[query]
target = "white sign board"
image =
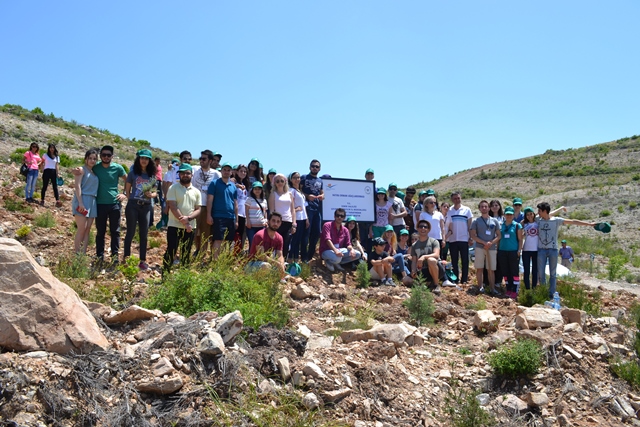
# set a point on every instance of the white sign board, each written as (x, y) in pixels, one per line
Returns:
(355, 196)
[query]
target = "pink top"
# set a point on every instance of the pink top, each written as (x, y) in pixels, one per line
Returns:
(159, 173)
(340, 238)
(32, 160)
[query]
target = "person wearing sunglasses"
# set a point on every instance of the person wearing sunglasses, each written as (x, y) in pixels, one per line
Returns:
(280, 200)
(311, 185)
(203, 175)
(335, 243)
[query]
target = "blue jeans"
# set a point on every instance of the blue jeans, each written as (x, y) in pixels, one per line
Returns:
(315, 227)
(252, 232)
(399, 265)
(32, 177)
(530, 265)
(330, 256)
(297, 238)
(552, 255)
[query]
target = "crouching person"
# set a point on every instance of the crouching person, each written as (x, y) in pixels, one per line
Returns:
(425, 257)
(380, 263)
(335, 243)
(266, 247)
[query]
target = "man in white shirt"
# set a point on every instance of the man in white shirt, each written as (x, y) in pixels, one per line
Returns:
(203, 175)
(460, 218)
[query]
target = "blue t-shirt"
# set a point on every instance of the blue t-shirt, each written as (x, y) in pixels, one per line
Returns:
(224, 197)
(312, 185)
(509, 238)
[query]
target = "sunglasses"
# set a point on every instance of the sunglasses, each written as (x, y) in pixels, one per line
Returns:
(340, 216)
(393, 189)
(204, 159)
(315, 166)
(106, 155)
(279, 181)
(423, 226)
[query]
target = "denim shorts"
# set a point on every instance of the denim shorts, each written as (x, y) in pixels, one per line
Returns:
(223, 229)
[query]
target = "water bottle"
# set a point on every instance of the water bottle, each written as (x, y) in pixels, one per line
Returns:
(548, 304)
(556, 301)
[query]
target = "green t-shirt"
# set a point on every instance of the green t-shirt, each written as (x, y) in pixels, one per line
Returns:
(108, 182)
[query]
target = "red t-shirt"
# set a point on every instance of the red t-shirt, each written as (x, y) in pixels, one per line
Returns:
(262, 238)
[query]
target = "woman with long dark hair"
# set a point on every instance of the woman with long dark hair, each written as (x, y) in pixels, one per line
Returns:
(140, 190)
(301, 236)
(530, 248)
(254, 171)
(50, 173)
(83, 206)
(242, 186)
(255, 211)
(32, 159)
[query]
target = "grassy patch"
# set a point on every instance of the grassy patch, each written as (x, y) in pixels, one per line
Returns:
(45, 220)
(223, 287)
(575, 295)
(530, 297)
(516, 359)
(14, 205)
(463, 408)
(480, 304)
(420, 303)
(628, 371)
(130, 268)
(73, 266)
(23, 232)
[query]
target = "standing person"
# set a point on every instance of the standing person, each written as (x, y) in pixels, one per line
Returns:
(530, 248)
(83, 206)
(255, 211)
(410, 204)
(566, 254)
(518, 216)
(140, 190)
(383, 216)
(268, 183)
(459, 218)
(109, 202)
(495, 211)
(183, 200)
(335, 243)
(425, 257)
(265, 251)
(509, 251)
(167, 181)
(50, 174)
(242, 188)
(417, 209)
(302, 220)
(444, 210)
(548, 227)
(398, 210)
(436, 220)
(255, 171)
(364, 226)
(222, 209)
(160, 196)
(32, 159)
(311, 185)
(281, 201)
(201, 178)
(485, 231)
(352, 226)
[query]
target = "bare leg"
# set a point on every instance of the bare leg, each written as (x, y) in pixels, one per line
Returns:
(480, 276)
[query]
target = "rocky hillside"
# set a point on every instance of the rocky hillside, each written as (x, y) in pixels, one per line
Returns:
(347, 357)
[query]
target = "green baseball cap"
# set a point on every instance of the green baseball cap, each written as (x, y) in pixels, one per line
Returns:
(272, 170)
(517, 201)
(605, 227)
(175, 160)
(235, 166)
(393, 184)
(528, 209)
(225, 165)
(422, 193)
(215, 153)
(369, 171)
(255, 159)
(430, 192)
(563, 241)
(404, 231)
(256, 184)
(185, 167)
(400, 194)
(351, 218)
(389, 227)
(144, 153)
(381, 190)
(509, 210)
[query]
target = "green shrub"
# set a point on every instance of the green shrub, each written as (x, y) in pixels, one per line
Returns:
(23, 231)
(628, 371)
(18, 155)
(463, 408)
(420, 303)
(45, 220)
(19, 192)
(579, 214)
(633, 205)
(605, 212)
(221, 287)
(154, 242)
(530, 297)
(620, 208)
(14, 205)
(516, 359)
(575, 295)
(73, 266)
(616, 268)
(67, 162)
(305, 271)
(480, 304)
(129, 268)
(363, 277)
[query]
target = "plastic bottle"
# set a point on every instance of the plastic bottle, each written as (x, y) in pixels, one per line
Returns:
(549, 304)
(556, 301)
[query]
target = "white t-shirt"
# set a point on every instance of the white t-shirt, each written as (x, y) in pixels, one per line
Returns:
(298, 201)
(282, 204)
(434, 219)
(397, 207)
(459, 219)
(50, 163)
(530, 237)
(201, 180)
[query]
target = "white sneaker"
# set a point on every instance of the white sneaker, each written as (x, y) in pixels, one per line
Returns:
(448, 284)
(330, 266)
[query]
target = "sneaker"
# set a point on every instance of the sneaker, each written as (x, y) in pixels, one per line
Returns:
(448, 284)
(330, 266)
(143, 266)
(481, 290)
(437, 290)
(495, 292)
(339, 267)
(391, 282)
(41, 203)
(58, 204)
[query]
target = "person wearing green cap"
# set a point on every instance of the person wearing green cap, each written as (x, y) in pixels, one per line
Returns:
(255, 171)
(140, 189)
(518, 216)
(268, 183)
(509, 251)
(369, 175)
(566, 255)
(383, 208)
(548, 227)
(419, 206)
(398, 210)
(530, 248)
(183, 201)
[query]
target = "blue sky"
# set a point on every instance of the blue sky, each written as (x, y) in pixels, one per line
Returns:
(413, 89)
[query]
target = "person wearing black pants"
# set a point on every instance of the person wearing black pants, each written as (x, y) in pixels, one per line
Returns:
(178, 238)
(459, 251)
(112, 213)
(459, 218)
(50, 173)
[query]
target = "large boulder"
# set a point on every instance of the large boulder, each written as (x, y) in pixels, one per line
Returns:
(39, 312)
(537, 317)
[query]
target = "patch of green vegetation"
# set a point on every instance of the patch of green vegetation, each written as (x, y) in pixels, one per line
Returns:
(363, 277)
(628, 371)
(219, 287)
(464, 351)
(605, 212)
(576, 295)
(13, 205)
(633, 205)
(616, 268)
(23, 232)
(358, 316)
(530, 297)
(45, 220)
(463, 408)
(129, 268)
(68, 162)
(590, 244)
(18, 155)
(73, 266)
(517, 359)
(420, 303)
(480, 304)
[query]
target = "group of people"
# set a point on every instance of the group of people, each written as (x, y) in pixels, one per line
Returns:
(49, 164)
(281, 218)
